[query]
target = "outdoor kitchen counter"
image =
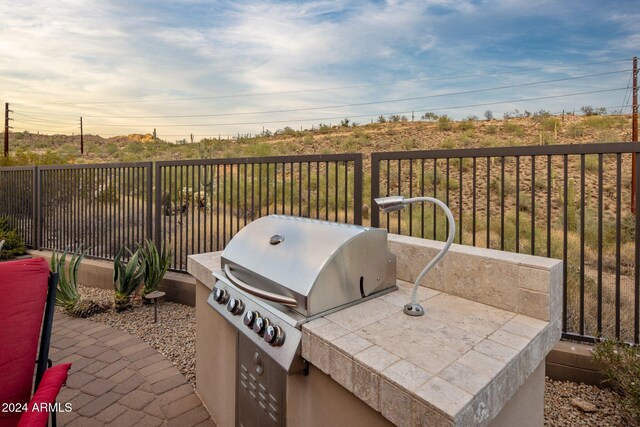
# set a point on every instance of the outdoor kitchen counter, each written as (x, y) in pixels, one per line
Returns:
(459, 364)
(475, 358)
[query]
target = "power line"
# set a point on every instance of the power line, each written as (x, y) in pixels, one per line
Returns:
(288, 92)
(342, 105)
(359, 116)
(360, 104)
(39, 119)
(209, 135)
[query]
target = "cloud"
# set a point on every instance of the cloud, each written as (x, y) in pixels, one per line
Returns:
(56, 56)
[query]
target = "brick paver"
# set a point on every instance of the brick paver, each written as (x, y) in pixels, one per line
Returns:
(118, 379)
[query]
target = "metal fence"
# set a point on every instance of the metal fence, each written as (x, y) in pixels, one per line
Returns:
(102, 207)
(190, 206)
(201, 204)
(570, 202)
(17, 200)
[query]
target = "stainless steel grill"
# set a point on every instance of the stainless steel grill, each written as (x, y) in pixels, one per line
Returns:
(280, 271)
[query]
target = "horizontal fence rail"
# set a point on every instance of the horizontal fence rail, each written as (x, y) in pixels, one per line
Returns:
(202, 204)
(571, 202)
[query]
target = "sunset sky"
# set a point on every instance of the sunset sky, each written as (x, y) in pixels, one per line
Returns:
(222, 67)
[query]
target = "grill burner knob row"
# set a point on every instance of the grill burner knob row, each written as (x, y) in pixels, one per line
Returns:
(220, 295)
(249, 318)
(274, 335)
(260, 324)
(235, 306)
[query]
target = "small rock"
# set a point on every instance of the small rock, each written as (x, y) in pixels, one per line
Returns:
(583, 405)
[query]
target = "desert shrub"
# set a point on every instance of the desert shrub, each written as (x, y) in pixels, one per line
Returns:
(588, 110)
(575, 131)
(429, 116)
(448, 144)
(549, 123)
(547, 138)
(13, 245)
(466, 125)
(488, 115)
(591, 162)
(394, 118)
(491, 129)
(445, 123)
(605, 122)
(381, 119)
(324, 128)
(513, 128)
(541, 183)
(621, 364)
(409, 144)
(606, 135)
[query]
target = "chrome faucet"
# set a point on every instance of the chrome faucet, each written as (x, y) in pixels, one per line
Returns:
(396, 203)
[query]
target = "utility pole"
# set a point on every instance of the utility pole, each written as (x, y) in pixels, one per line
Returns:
(634, 133)
(81, 137)
(6, 128)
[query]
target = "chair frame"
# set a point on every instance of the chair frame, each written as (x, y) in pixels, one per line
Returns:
(43, 362)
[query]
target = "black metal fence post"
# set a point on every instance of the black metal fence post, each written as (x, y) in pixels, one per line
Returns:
(157, 206)
(375, 189)
(36, 210)
(357, 189)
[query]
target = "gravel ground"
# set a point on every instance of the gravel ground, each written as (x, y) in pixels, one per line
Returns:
(175, 336)
(562, 398)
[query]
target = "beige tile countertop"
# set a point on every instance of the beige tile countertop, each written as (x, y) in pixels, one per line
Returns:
(459, 364)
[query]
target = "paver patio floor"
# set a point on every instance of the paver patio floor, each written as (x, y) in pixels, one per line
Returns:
(118, 379)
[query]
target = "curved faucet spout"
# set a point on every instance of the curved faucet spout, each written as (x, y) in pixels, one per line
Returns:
(396, 203)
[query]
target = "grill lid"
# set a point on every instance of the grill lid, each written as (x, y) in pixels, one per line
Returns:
(309, 265)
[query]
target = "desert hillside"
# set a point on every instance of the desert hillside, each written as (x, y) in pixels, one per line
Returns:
(31, 148)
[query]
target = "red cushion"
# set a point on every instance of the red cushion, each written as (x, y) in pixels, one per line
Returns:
(23, 293)
(38, 409)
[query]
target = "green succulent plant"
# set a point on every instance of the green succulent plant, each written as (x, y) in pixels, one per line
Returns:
(68, 295)
(13, 245)
(155, 263)
(127, 277)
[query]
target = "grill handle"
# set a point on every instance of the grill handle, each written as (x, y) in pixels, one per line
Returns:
(269, 296)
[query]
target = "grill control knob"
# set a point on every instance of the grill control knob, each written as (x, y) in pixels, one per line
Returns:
(274, 335)
(260, 325)
(220, 295)
(235, 306)
(249, 318)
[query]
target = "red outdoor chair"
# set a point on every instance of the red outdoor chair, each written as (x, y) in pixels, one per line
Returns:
(27, 300)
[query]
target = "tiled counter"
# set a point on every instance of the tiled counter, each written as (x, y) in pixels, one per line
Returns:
(462, 361)
(459, 364)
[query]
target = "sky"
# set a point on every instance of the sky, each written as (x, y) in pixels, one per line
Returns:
(218, 68)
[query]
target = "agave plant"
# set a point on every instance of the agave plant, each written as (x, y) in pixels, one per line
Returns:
(156, 263)
(68, 296)
(127, 277)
